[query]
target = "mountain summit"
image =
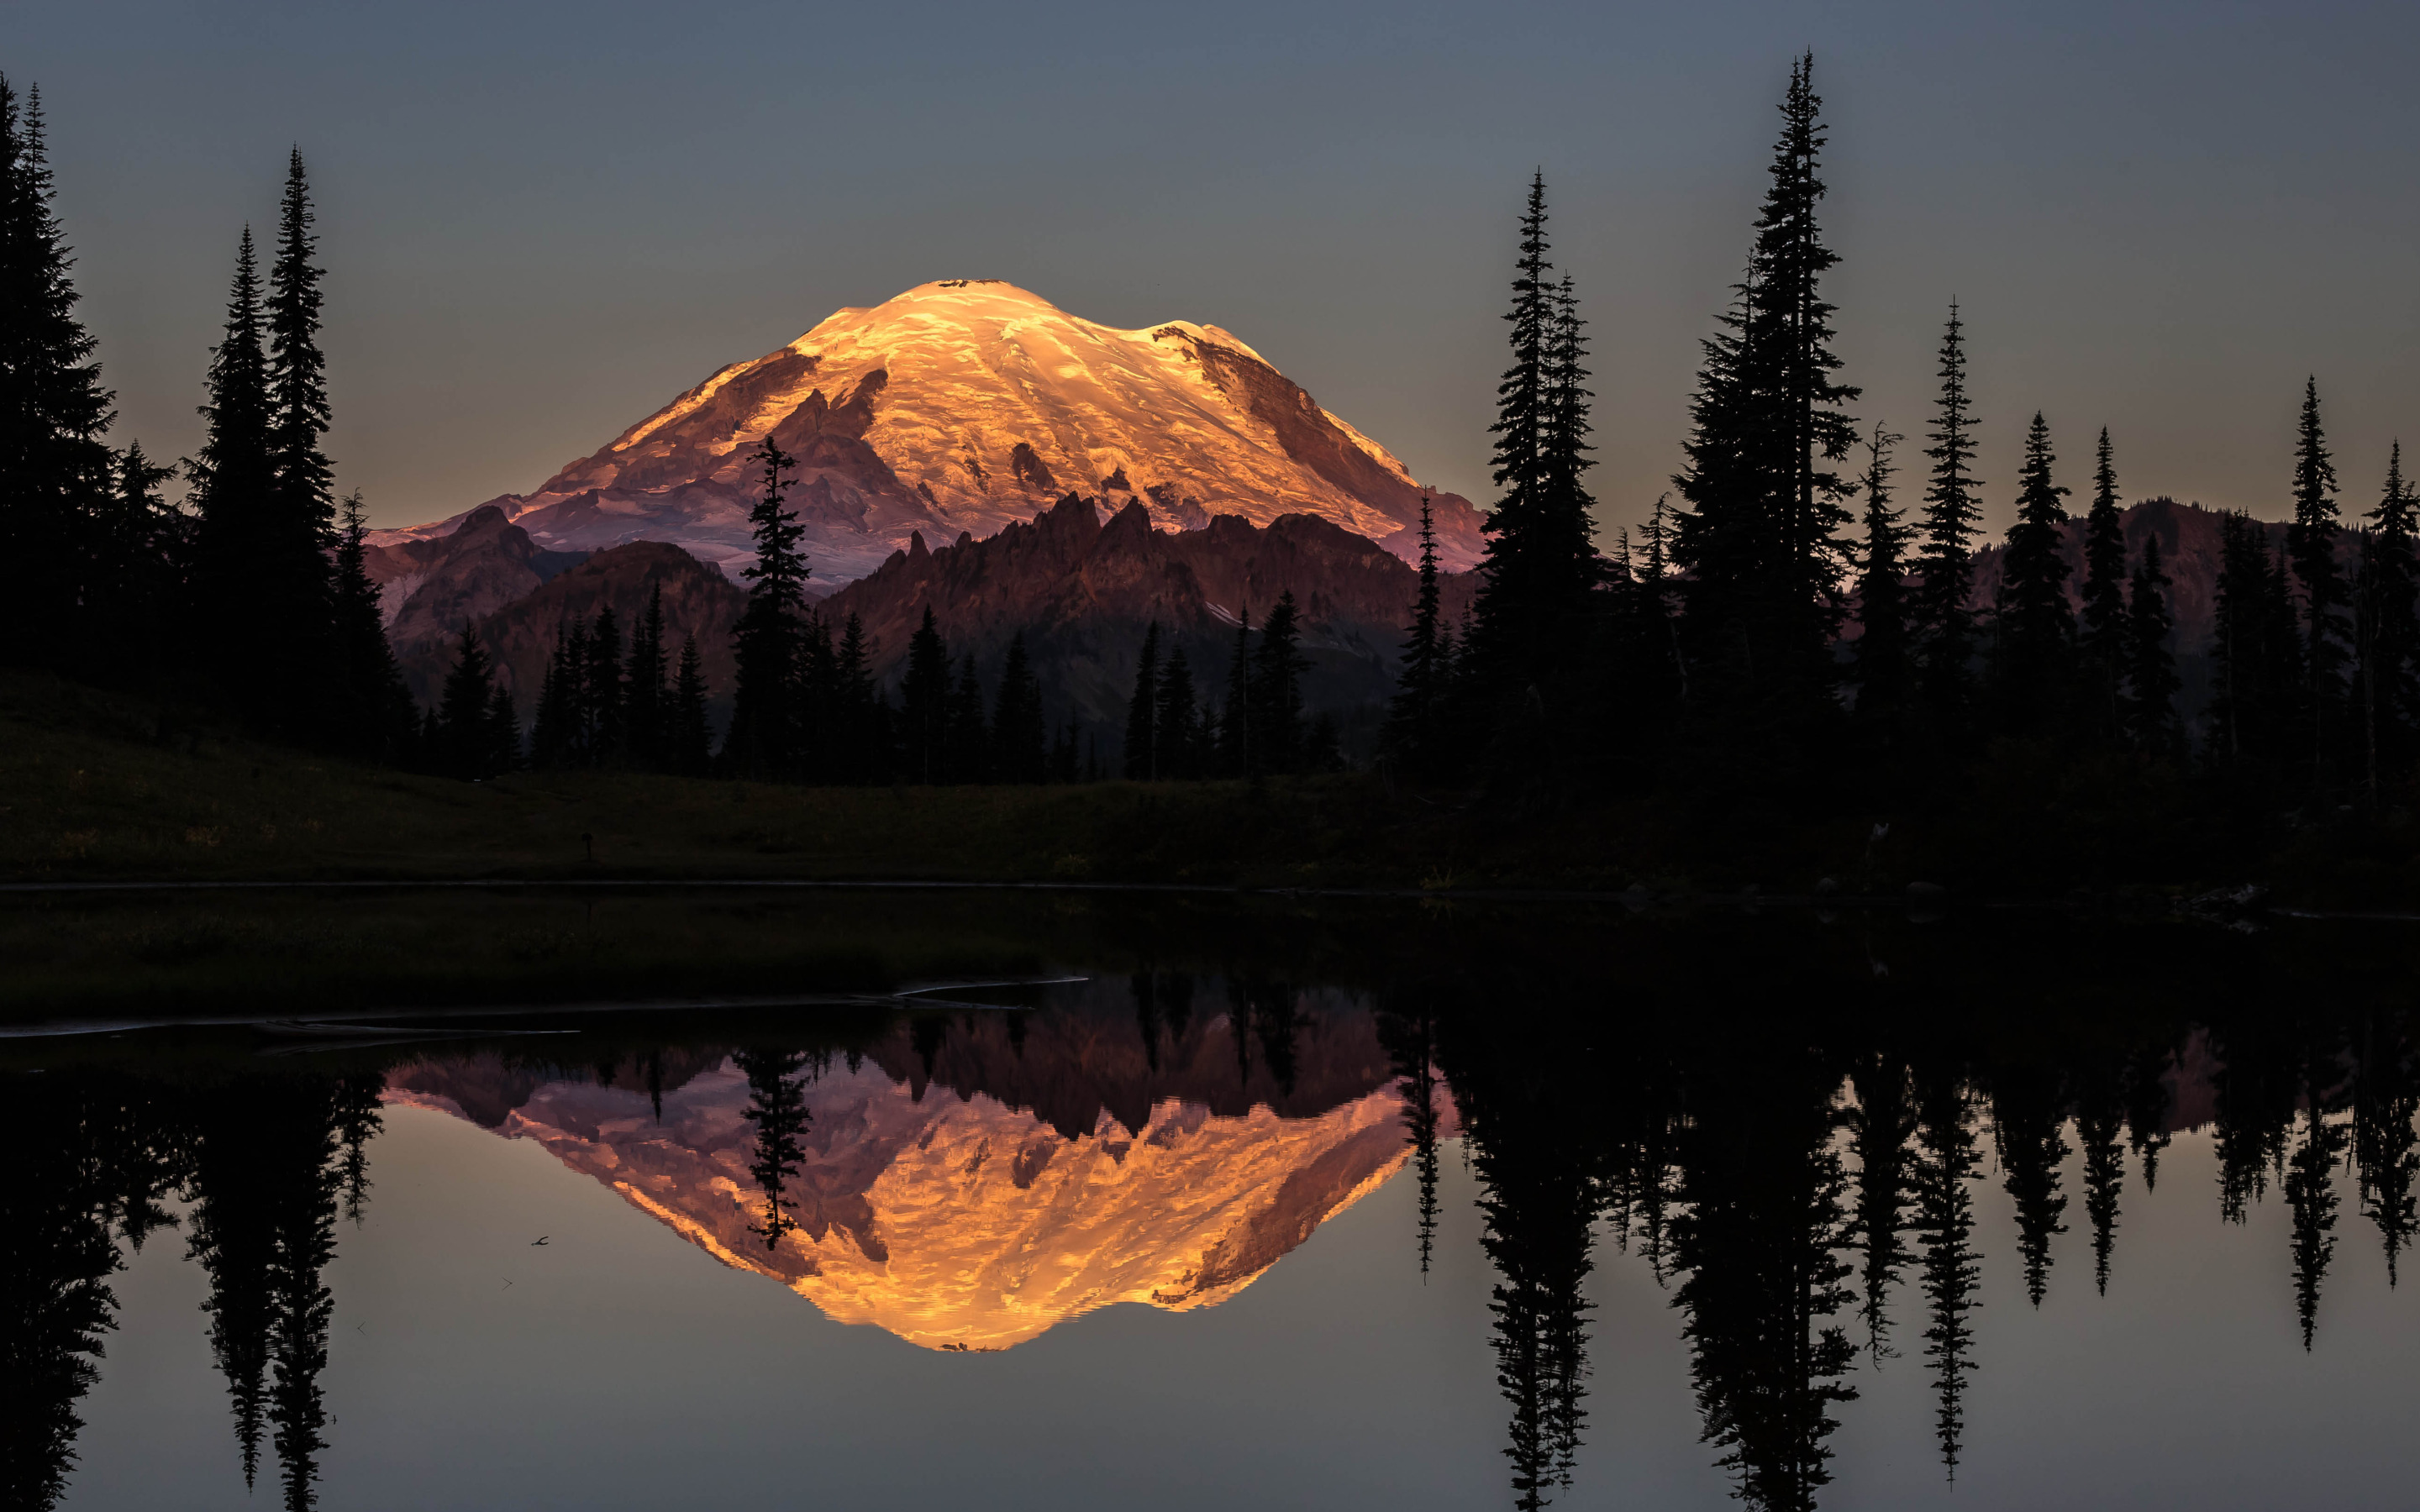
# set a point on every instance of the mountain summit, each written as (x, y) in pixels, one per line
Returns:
(962, 405)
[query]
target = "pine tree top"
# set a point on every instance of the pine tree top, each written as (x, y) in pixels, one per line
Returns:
(2315, 472)
(2394, 516)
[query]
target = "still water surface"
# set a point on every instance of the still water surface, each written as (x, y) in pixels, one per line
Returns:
(1666, 1219)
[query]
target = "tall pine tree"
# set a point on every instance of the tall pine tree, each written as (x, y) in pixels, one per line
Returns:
(924, 701)
(54, 469)
(298, 608)
(2104, 636)
(2150, 705)
(1019, 735)
(1142, 711)
(2387, 637)
(1413, 734)
(1275, 702)
(2034, 631)
(234, 478)
(1880, 655)
(1177, 722)
(2256, 652)
(1540, 568)
(368, 711)
(2311, 542)
(768, 732)
(1760, 543)
(690, 738)
(645, 696)
(1946, 565)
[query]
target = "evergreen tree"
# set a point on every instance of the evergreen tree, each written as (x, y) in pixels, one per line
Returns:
(2026, 1110)
(858, 714)
(2311, 541)
(2255, 651)
(552, 741)
(1066, 765)
(502, 732)
(1945, 565)
(1541, 566)
(2151, 704)
(2104, 638)
(924, 701)
(1413, 738)
(967, 743)
(690, 738)
(234, 480)
(1880, 653)
(1951, 1270)
(466, 733)
(1019, 736)
(1142, 746)
(1759, 543)
(2034, 632)
(2387, 634)
(54, 469)
(1881, 1122)
(126, 577)
(1275, 701)
(300, 510)
(370, 713)
(601, 710)
(768, 734)
(1236, 755)
(645, 699)
(1176, 723)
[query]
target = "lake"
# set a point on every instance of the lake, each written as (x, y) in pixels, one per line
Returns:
(1039, 1201)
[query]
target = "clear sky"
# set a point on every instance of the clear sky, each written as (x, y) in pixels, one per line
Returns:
(542, 221)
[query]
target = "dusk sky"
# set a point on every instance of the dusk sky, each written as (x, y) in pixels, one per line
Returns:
(543, 221)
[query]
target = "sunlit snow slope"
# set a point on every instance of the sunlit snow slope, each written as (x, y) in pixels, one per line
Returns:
(964, 404)
(960, 1223)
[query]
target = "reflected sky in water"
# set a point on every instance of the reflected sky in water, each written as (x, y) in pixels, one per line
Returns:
(1209, 1240)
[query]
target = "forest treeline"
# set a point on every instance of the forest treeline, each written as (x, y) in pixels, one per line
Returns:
(1788, 627)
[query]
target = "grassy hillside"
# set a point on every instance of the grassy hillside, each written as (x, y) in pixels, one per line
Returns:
(100, 787)
(94, 786)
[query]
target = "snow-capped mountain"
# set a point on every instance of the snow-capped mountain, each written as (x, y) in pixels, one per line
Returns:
(962, 405)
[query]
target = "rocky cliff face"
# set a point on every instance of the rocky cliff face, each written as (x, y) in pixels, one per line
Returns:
(430, 588)
(963, 406)
(697, 601)
(1082, 589)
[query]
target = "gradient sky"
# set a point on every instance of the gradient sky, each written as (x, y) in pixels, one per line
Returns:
(544, 221)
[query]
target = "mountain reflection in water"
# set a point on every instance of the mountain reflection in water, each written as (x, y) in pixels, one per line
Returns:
(1802, 1162)
(967, 1183)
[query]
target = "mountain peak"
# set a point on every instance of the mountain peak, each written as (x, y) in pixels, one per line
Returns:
(967, 405)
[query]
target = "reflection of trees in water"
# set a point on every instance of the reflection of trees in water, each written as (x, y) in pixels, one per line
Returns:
(1793, 1180)
(1538, 1159)
(2257, 1085)
(1757, 1241)
(777, 1106)
(1411, 1042)
(2027, 1107)
(1264, 1014)
(1880, 1126)
(2310, 1185)
(267, 1163)
(2385, 1099)
(1944, 1205)
(73, 1159)
(275, 1159)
